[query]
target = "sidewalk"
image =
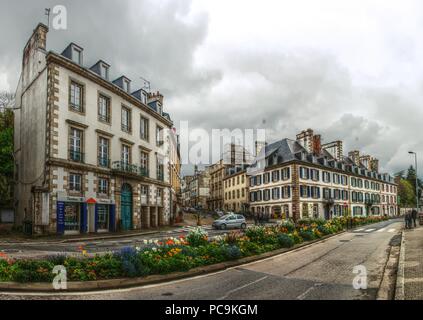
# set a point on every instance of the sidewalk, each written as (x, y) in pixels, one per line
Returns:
(411, 264)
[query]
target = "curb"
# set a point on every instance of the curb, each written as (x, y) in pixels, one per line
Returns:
(399, 292)
(105, 237)
(82, 286)
(387, 286)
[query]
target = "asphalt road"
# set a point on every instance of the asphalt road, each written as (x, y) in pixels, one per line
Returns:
(320, 271)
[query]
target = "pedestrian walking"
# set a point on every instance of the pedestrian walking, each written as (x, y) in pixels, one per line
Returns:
(414, 217)
(408, 218)
(255, 219)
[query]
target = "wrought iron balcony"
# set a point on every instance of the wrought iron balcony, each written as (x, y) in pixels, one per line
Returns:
(124, 167)
(76, 156)
(104, 117)
(104, 162)
(160, 176)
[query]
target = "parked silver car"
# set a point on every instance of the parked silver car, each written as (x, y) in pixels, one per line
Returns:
(230, 221)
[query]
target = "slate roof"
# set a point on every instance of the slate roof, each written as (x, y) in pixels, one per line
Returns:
(287, 150)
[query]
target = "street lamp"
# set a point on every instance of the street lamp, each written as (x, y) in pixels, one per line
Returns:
(417, 184)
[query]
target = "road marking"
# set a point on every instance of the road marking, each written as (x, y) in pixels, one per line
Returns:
(391, 230)
(370, 230)
(242, 287)
(304, 294)
(358, 230)
(381, 230)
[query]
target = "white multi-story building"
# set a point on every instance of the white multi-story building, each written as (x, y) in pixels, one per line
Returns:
(91, 154)
(301, 178)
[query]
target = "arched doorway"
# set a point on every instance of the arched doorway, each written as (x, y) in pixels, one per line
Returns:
(126, 206)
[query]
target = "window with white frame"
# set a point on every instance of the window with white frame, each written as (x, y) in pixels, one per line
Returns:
(144, 128)
(103, 186)
(104, 108)
(103, 152)
(75, 145)
(76, 96)
(126, 152)
(75, 182)
(126, 119)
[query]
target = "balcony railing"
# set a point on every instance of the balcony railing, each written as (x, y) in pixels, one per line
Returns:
(104, 162)
(123, 167)
(125, 127)
(160, 176)
(104, 117)
(76, 156)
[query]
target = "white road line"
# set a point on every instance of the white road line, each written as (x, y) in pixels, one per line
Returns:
(358, 230)
(391, 230)
(381, 230)
(370, 230)
(240, 288)
(304, 294)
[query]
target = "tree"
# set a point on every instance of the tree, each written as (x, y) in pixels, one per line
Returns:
(406, 193)
(6, 148)
(411, 177)
(7, 100)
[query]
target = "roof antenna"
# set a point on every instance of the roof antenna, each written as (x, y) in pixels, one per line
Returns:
(47, 13)
(147, 84)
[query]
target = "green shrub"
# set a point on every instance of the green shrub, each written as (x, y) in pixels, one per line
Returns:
(307, 235)
(285, 241)
(256, 233)
(233, 252)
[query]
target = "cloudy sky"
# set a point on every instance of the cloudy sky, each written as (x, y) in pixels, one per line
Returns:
(351, 70)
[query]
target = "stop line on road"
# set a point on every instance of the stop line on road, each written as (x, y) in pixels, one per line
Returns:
(370, 230)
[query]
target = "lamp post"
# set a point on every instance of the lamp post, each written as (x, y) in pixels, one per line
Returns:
(417, 184)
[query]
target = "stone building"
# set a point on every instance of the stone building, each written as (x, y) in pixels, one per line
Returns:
(303, 178)
(236, 192)
(197, 190)
(175, 175)
(91, 153)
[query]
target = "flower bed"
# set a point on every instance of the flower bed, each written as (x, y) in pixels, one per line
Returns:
(181, 254)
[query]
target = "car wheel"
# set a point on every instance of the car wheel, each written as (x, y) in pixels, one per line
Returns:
(243, 226)
(223, 227)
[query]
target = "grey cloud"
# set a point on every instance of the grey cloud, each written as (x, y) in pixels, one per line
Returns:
(138, 38)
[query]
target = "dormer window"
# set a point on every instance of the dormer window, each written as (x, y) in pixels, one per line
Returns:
(77, 55)
(159, 109)
(104, 71)
(126, 85)
(144, 97)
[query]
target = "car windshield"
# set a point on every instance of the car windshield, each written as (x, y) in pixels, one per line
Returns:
(225, 216)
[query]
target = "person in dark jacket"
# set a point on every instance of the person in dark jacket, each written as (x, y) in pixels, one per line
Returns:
(414, 217)
(408, 220)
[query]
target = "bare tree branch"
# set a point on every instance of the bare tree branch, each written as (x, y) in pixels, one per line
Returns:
(7, 100)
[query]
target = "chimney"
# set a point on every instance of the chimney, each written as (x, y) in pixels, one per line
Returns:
(335, 148)
(154, 97)
(355, 157)
(317, 144)
(34, 53)
(374, 165)
(365, 160)
(305, 139)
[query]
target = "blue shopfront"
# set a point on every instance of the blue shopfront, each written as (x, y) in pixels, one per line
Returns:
(77, 215)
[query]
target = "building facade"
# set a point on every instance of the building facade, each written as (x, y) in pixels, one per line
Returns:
(236, 192)
(217, 173)
(91, 153)
(197, 190)
(302, 178)
(175, 176)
